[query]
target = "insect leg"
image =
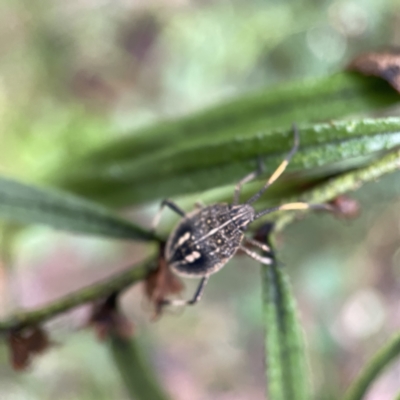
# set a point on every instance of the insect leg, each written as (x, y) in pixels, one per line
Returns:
(171, 205)
(245, 180)
(281, 168)
(263, 260)
(258, 244)
(199, 292)
(196, 297)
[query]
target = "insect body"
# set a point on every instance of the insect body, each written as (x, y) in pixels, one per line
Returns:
(207, 238)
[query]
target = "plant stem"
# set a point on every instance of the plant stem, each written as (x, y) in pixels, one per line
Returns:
(139, 379)
(349, 181)
(96, 291)
(376, 365)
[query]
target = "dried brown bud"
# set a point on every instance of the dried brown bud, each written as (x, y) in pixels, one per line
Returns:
(161, 282)
(346, 207)
(24, 343)
(108, 320)
(383, 64)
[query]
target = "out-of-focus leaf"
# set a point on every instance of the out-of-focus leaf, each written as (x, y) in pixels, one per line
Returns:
(139, 379)
(189, 168)
(307, 101)
(28, 204)
(373, 368)
(286, 367)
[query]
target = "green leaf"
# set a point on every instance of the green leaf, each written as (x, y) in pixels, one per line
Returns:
(189, 168)
(312, 100)
(137, 376)
(28, 204)
(286, 367)
(374, 367)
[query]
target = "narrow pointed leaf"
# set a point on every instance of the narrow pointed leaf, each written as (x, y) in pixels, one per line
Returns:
(28, 204)
(286, 367)
(189, 168)
(311, 100)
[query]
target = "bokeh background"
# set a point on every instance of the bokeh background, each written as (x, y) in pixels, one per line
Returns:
(75, 74)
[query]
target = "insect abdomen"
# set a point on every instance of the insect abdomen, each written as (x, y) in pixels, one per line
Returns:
(200, 246)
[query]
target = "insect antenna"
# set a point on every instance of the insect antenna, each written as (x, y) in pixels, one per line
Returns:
(281, 168)
(295, 206)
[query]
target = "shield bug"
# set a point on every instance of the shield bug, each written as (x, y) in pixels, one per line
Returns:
(208, 237)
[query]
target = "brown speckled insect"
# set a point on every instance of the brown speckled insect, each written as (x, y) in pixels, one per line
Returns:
(208, 237)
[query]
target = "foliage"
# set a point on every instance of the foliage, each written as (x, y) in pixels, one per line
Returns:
(219, 158)
(79, 141)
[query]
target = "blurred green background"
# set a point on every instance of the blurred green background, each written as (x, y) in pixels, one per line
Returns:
(75, 74)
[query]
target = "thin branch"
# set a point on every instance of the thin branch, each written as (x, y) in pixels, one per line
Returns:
(88, 294)
(374, 367)
(138, 376)
(347, 182)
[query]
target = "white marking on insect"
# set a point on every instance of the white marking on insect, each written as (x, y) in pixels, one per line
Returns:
(184, 238)
(192, 256)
